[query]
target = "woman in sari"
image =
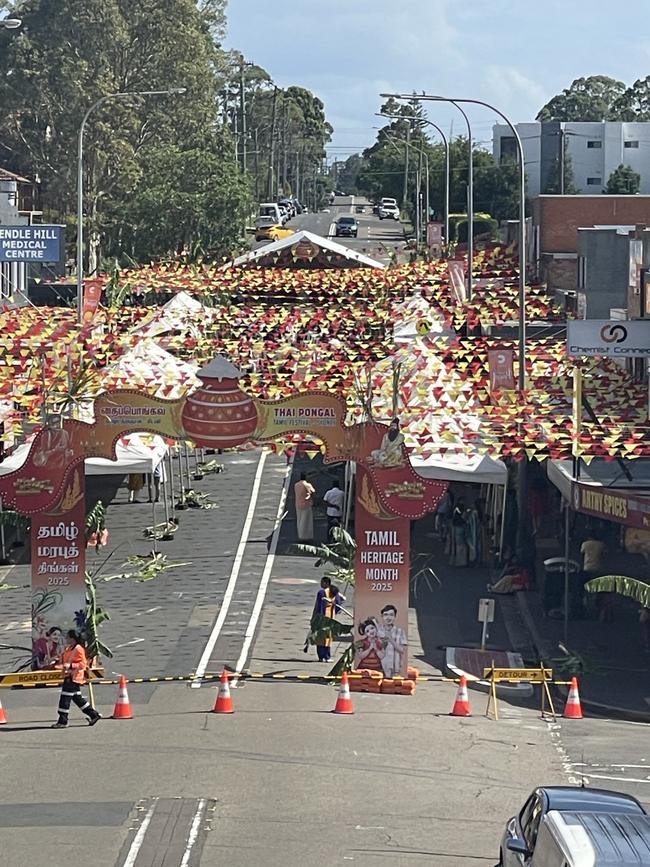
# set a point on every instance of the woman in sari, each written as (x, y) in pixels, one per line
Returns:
(370, 650)
(328, 604)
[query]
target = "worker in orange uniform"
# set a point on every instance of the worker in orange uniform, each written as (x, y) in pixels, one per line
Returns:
(73, 663)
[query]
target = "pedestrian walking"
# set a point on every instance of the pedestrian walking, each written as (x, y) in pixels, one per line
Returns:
(73, 663)
(304, 495)
(334, 501)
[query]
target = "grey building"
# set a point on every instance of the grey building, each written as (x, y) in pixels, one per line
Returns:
(18, 207)
(610, 259)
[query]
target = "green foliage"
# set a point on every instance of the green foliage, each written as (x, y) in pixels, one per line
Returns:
(145, 567)
(92, 619)
(599, 98)
(340, 554)
(496, 186)
(595, 98)
(623, 181)
(631, 587)
(151, 164)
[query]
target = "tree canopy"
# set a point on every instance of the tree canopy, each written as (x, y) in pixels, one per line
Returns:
(599, 98)
(623, 181)
(162, 174)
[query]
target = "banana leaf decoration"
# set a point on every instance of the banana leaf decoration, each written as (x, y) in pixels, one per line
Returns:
(621, 584)
(322, 628)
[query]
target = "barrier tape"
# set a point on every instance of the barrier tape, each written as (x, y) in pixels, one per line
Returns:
(48, 679)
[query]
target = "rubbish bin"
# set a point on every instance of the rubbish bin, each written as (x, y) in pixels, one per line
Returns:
(554, 572)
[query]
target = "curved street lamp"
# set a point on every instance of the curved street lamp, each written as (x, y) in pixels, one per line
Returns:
(445, 142)
(392, 139)
(80, 191)
(11, 23)
(470, 176)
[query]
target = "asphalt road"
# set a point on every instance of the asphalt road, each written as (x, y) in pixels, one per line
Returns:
(282, 781)
(377, 238)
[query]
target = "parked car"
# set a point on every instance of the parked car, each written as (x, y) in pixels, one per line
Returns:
(288, 205)
(346, 226)
(388, 211)
(551, 806)
(269, 209)
(267, 230)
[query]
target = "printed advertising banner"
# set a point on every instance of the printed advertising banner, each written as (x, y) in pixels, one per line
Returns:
(58, 565)
(381, 593)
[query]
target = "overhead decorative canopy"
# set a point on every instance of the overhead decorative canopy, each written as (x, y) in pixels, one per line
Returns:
(304, 250)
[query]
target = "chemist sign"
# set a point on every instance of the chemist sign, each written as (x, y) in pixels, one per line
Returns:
(30, 243)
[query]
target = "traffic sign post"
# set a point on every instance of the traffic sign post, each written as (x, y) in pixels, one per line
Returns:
(541, 675)
(485, 616)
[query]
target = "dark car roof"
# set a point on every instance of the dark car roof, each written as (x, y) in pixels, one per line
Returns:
(346, 220)
(572, 799)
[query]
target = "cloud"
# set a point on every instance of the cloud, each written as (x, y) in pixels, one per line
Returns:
(509, 89)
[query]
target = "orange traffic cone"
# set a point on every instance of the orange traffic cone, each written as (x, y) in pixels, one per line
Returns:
(572, 708)
(122, 709)
(461, 705)
(223, 704)
(3, 716)
(343, 701)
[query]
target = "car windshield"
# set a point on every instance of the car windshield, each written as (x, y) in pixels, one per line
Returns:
(347, 221)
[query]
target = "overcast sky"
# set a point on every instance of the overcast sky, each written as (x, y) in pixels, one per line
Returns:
(513, 53)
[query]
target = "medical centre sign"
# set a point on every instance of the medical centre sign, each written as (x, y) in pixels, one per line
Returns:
(30, 243)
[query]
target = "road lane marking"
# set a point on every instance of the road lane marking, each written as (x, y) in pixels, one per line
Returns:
(138, 840)
(194, 833)
(234, 574)
(127, 643)
(352, 204)
(331, 230)
(266, 574)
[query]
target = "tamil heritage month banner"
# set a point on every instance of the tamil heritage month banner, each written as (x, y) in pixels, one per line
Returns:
(381, 594)
(58, 566)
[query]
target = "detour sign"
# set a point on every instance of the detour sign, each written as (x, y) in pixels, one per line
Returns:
(515, 675)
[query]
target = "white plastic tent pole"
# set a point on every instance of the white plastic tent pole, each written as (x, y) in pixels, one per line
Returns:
(3, 549)
(153, 518)
(186, 455)
(171, 478)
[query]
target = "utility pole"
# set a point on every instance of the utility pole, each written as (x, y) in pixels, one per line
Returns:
(257, 167)
(284, 143)
(406, 168)
(271, 178)
(242, 103)
(561, 160)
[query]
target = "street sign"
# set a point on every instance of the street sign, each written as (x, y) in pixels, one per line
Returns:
(517, 675)
(611, 338)
(486, 610)
(36, 243)
(46, 677)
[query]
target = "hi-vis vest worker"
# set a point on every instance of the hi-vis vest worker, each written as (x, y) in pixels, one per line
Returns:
(73, 663)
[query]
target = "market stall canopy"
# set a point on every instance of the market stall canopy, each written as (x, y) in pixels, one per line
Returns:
(478, 469)
(137, 453)
(150, 367)
(183, 314)
(304, 250)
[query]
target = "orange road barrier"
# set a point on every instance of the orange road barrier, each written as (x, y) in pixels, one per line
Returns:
(3, 716)
(122, 709)
(343, 701)
(461, 705)
(573, 708)
(224, 703)
(365, 680)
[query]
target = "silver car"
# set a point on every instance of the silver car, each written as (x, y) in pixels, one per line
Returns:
(518, 842)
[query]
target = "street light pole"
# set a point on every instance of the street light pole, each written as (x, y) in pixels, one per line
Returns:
(405, 141)
(80, 190)
(10, 23)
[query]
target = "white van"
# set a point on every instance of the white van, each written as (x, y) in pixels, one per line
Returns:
(269, 214)
(592, 840)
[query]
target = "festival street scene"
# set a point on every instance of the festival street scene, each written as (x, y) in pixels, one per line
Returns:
(324, 434)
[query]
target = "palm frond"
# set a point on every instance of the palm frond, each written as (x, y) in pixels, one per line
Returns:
(630, 587)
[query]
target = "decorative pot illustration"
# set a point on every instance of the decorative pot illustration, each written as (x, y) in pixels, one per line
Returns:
(219, 415)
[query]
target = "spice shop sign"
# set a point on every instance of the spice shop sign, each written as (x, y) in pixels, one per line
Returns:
(621, 507)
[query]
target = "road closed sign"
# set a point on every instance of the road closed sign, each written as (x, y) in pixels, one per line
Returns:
(36, 243)
(611, 338)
